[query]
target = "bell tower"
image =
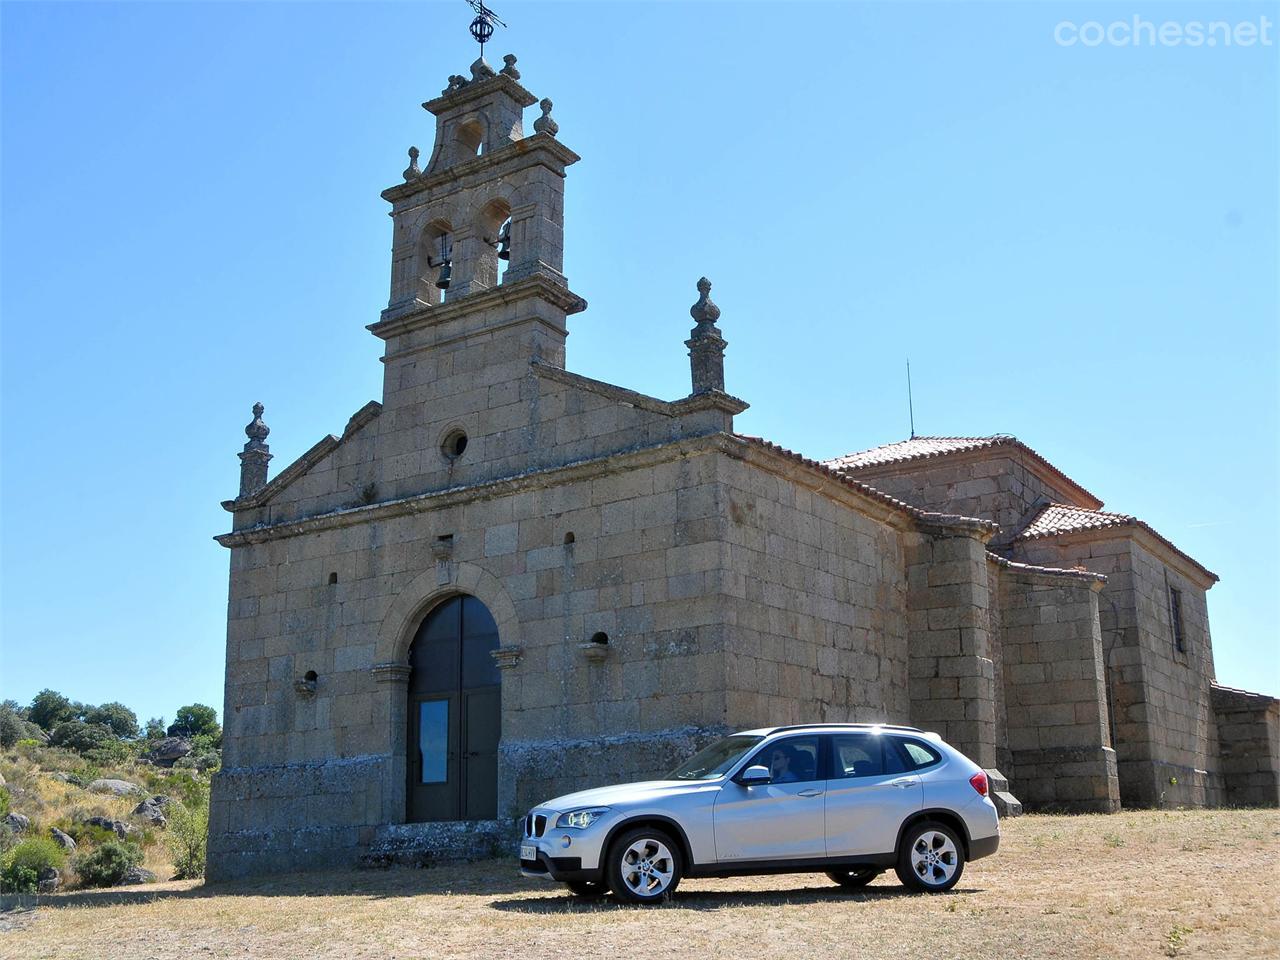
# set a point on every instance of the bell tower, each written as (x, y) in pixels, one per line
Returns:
(478, 239)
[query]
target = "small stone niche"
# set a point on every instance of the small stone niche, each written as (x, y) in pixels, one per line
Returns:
(306, 684)
(597, 648)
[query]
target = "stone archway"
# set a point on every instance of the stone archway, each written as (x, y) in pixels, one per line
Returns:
(454, 715)
(393, 672)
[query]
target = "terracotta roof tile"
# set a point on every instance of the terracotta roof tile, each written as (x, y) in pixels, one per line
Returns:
(928, 448)
(864, 488)
(1055, 519)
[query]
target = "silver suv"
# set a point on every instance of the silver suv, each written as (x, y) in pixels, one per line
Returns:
(850, 800)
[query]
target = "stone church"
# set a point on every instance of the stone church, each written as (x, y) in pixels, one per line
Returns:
(507, 580)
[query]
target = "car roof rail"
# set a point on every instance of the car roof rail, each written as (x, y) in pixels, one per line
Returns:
(851, 723)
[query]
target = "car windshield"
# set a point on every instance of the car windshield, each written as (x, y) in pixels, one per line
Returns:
(713, 761)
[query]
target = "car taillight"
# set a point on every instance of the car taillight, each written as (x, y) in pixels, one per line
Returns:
(979, 782)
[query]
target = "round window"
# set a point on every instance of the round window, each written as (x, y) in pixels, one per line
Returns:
(455, 444)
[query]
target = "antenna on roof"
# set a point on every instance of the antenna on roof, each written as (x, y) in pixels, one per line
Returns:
(911, 409)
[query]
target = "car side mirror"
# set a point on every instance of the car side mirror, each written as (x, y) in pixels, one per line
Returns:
(754, 775)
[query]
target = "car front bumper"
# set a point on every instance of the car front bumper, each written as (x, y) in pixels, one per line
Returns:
(580, 859)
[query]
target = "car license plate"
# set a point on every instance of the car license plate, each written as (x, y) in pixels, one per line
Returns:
(528, 851)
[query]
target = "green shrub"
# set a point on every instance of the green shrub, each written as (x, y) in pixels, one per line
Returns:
(106, 865)
(187, 838)
(24, 862)
(4, 801)
(19, 879)
(86, 834)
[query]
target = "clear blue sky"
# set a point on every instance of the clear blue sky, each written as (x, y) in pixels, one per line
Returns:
(1074, 245)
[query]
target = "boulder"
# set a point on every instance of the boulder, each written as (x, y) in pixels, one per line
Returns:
(137, 875)
(150, 811)
(169, 750)
(162, 801)
(63, 840)
(48, 880)
(17, 822)
(120, 788)
(60, 777)
(118, 827)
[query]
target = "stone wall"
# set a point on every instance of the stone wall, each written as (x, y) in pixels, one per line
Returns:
(644, 568)
(1249, 741)
(815, 598)
(1055, 691)
(952, 676)
(1162, 720)
(993, 484)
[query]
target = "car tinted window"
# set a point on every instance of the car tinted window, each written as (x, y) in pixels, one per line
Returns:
(793, 760)
(919, 754)
(895, 761)
(857, 755)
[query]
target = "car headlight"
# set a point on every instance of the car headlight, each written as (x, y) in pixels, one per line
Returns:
(581, 819)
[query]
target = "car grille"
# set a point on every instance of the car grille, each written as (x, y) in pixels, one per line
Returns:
(535, 826)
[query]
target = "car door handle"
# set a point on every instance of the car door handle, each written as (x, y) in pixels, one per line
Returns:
(809, 793)
(908, 782)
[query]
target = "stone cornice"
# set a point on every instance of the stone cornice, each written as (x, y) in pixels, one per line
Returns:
(484, 490)
(540, 147)
(640, 401)
(1032, 571)
(478, 90)
(536, 285)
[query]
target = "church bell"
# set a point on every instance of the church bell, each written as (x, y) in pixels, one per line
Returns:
(446, 270)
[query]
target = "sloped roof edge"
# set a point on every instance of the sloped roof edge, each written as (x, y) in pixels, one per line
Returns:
(1061, 519)
(300, 467)
(918, 449)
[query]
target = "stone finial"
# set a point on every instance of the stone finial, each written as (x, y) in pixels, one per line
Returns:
(544, 124)
(480, 70)
(510, 69)
(257, 430)
(255, 456)
(706, 346)
(412, 172)
(456, 82)
(704, 311)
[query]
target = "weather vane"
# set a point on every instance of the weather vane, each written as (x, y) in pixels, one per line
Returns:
(482, 25)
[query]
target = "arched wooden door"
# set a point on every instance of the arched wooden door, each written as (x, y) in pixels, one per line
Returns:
(455, 715)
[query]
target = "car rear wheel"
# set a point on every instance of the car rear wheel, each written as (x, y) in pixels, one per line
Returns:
(853, 879)
(587, 888)
(931, 858)
(643, 866)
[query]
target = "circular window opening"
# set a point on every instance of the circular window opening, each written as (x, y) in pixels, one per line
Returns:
(455, 444)
(310, 676)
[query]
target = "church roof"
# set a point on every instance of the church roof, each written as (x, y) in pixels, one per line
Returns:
(1055, 519)
(927, 448)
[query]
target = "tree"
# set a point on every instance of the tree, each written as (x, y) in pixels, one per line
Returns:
(49, 708)
(155, 729)
(194, 720)
(122, 721)
(14, 726)
(93, 741)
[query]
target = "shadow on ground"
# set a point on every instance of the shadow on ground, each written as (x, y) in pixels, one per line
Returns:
(718, 899)
(489, 878)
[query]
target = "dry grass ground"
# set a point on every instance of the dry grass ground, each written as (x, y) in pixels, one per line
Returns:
(1139, 884)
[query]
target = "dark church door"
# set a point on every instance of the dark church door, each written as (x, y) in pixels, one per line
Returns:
(455, 713)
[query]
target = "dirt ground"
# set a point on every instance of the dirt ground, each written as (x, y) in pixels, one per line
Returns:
(1138, 884)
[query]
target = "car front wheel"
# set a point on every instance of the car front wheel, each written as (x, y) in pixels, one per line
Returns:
(853, 879)
(644, 866)
(931, 858)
